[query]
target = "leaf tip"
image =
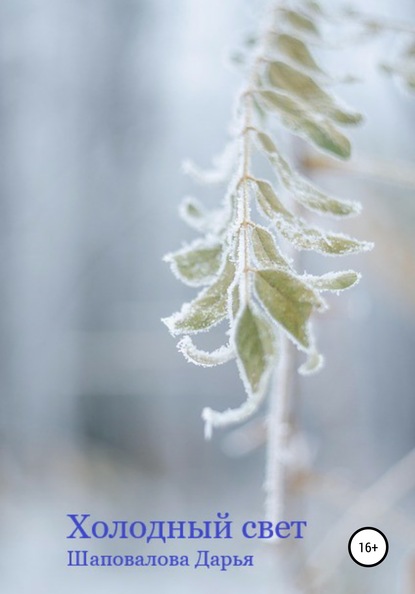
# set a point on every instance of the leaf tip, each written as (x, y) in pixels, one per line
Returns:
(170, 322)
(314, 364)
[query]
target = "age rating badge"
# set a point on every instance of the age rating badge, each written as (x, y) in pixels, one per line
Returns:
(368, 546)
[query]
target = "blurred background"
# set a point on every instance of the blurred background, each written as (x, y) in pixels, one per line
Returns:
(100, 101)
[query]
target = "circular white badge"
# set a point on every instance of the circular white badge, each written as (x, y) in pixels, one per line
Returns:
(368, 546)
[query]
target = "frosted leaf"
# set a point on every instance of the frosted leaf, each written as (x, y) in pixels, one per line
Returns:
(265, 250)
(222, 170)
(266, 143)
(269, 202)
(306, 194)
(197, 217)
(198, 263)
(296, 50)
(301, 189)
(305, 89)
(192, 212)
(314, 7)
(299, 234)
(314, 363)
(299, 21)
(235, 301)
(289, 301)
(231, 416)
(334, 281)
(281, 103)
(204, 358)
(208, 309)
(254, 344)
(321, 132)
(303, 237)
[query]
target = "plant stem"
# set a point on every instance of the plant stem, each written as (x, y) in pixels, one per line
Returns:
(246, 156)
(280, 416)
(278, 430)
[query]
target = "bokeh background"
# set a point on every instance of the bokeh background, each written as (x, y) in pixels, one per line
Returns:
(100, 101)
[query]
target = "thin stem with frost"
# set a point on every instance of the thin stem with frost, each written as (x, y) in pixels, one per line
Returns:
(278, 430)
(211, 417)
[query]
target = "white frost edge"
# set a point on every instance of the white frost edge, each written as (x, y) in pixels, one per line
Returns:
(208, 242)
(296, 183)
(270, 264)
(206, 359)
(221, 170)
(172, 320)
(313, 364)
(287, 333)
(208, 221)
(331, 276)
(231, 416)
(250, 406)
(290, 229)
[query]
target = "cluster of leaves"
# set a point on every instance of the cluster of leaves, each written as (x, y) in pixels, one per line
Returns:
(248, 276)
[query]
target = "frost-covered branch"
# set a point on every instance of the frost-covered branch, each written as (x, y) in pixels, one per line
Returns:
(249, 279)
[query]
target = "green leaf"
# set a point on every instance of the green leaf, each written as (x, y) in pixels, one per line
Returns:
(265, 250)
(281, 103)
(306, 194)
(254, 343)
(235, 301)
(322, 133)
(268, 200)
(208, 309)
(289, 301)
(314, 7)
(304, 88)
(296, 50)
(198, 263)
(192, 212)
(299, 21)
(301, 189)
(266, 143)
(299, 234)
(334, 281)
(304, 237)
